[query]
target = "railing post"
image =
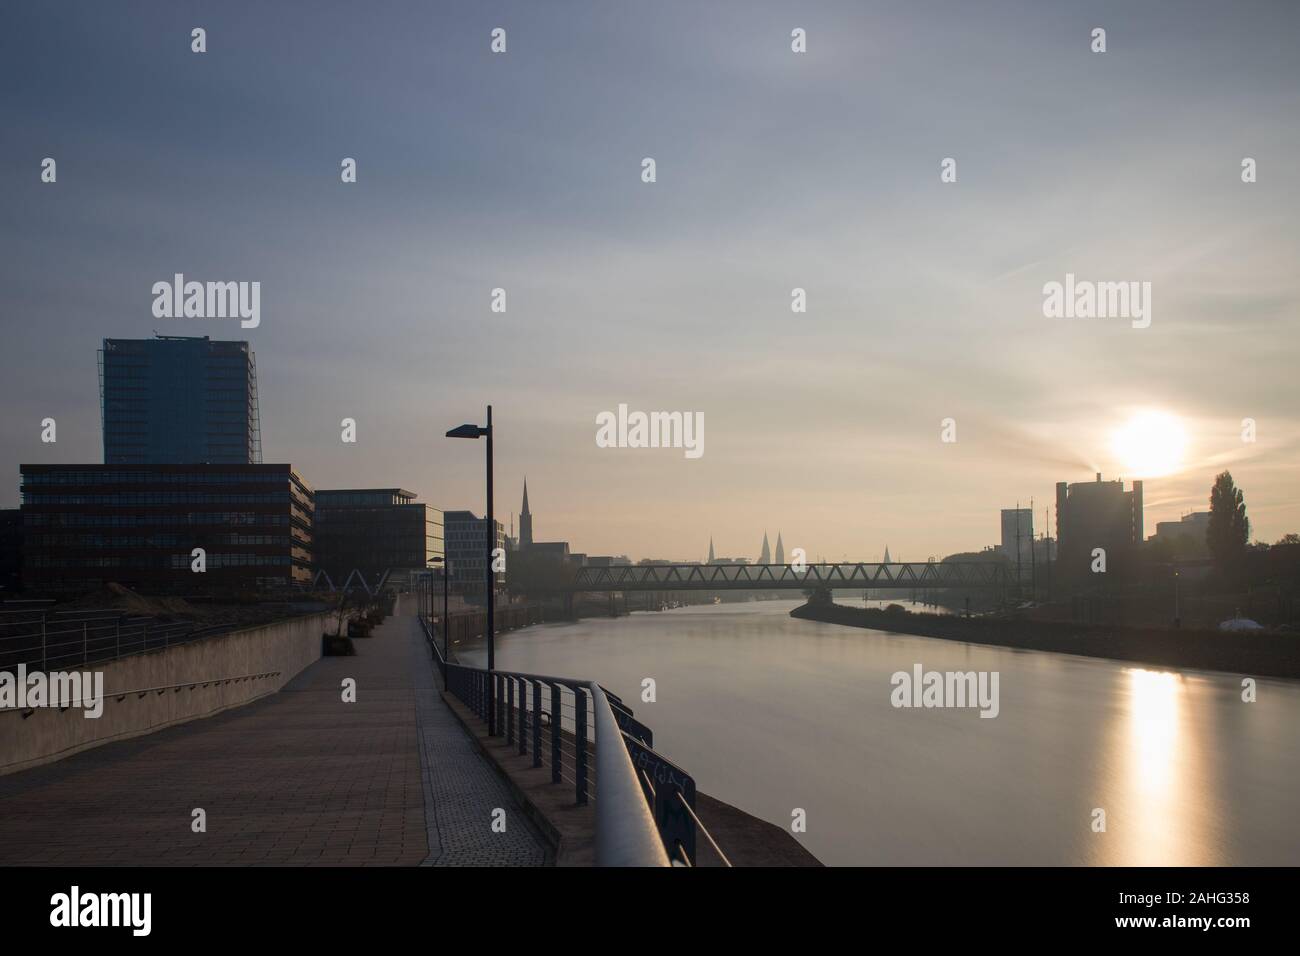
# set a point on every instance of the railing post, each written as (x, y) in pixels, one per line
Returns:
(117, 638)
(555, 733)
(537, 723)
(85, 644)
(510, 706)
(580, 720)
(498, 687)
(523, 716)
(44, 660)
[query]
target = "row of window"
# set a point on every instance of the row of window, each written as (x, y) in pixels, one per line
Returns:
(73, 520)
(152, 477)
(151, 540)
(124, 498)
(176, 561)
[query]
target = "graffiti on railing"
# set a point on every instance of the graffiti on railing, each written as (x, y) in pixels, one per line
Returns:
(668, 779)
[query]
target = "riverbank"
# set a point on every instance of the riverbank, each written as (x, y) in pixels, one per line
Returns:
(1254, 654)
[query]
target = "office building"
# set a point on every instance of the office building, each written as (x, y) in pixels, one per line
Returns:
(1184, 538)
(466, 543)
(11, 548)
(1097, 514)
(373, 531)
(179, 400)
(1017, 535)
(138, 525)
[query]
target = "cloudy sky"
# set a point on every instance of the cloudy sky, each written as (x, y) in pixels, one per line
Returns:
(775, 170)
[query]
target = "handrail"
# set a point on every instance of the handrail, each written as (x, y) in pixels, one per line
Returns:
(703, 829)
(626, 833)
(121, 695)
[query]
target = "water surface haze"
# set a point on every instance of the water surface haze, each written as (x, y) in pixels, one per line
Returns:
(771, 713)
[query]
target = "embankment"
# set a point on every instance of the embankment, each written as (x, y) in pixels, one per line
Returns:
(1252, 653)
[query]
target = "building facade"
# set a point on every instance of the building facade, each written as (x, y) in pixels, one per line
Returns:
(1017, 538)
(138, 525)
(371, 531)
(1184, 538)
(179, 400)
(11, 548)
(467, 553)
(1097, 514)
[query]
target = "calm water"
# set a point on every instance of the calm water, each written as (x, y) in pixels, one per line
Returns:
(771, 713)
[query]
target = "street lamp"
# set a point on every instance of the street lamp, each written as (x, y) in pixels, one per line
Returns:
(1178, 617)
(446, 624)
(474, 431)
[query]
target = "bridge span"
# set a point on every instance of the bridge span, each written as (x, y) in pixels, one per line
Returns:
(965, 575)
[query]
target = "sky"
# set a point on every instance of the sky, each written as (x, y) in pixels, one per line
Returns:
(775, 170)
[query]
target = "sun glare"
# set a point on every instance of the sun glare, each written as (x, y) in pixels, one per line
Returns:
(1150, 444)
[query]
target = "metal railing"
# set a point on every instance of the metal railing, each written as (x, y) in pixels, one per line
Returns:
(643, 803)
(61, 640)
(140, 692)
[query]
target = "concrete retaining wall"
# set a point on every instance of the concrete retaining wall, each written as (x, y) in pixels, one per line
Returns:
(226, 671)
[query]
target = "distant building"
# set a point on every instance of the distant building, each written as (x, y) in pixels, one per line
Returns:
(137, 525)
(179, 400)
(555, 549)
(1097, 514)
(1185, 538)
(1017, 535)
(765, 555)
(780, 549)
(11, 548)
(373, 530)
(466, 544)
(608, 561)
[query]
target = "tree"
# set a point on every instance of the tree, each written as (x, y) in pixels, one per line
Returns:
(1229, 528)
(1291, 538)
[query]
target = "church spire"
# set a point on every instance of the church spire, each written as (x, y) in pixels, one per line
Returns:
(765, 557)
(525, 522)
(780, 549)
(711, 558)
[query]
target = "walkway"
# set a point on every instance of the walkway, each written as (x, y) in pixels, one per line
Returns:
(299, 778)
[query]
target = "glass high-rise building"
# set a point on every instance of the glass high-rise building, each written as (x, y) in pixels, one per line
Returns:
(179, 400)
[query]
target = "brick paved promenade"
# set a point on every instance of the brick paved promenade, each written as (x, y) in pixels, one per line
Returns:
(299, 778)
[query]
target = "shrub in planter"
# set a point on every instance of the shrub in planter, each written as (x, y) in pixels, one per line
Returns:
(359, 628)
(332, 645)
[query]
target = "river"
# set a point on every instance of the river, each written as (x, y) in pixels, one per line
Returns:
(774, 714)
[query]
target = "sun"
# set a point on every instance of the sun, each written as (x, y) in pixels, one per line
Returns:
(1150, 444)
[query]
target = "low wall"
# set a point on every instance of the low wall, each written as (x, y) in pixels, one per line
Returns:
(214, 674)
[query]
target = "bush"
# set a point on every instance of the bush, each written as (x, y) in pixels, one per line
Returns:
(332, 645)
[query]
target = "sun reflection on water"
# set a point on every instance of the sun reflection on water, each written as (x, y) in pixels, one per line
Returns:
(1154, 798)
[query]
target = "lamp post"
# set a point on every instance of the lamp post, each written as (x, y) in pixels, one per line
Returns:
(446, 623)
(1178, 617)
(474, 431)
